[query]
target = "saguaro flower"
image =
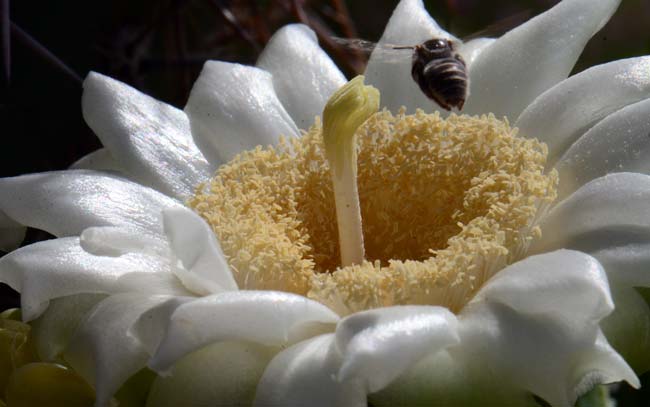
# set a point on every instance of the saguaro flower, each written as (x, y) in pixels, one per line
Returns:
(249, 253)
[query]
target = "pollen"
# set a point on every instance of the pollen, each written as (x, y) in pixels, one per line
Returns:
(445, 204)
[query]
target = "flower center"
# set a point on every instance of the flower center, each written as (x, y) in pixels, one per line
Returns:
(445, 204)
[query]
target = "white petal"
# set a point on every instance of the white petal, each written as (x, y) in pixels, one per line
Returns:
(115, 241)
(149, 328)
(533, 57)
(150, 139)
(60, 267)
(98, 160)
(53, 330)
(604, 212)
(448, 378)
(202, 265)
(472, 49)
(304, 77)
(627, 263)
(619, 143)
(380, 344)
(573, 284)
(102, 351)
(12, 233)
(266, 317)
(536, 325)
(563, 113)
(233, 108)
(410, 24)
(221, 374)
(305, 375)
(370, 349)
(628, 327)
(66, 202)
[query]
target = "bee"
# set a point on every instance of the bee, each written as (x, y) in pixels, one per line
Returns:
(440, 72)
(436, 66)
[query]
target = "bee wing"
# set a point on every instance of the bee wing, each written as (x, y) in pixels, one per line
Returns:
(501, 26)
(385, 52)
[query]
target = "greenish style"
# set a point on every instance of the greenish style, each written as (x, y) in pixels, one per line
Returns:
(346, 110)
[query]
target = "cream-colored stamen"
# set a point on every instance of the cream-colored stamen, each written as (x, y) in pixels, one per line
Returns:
(345, 111)
(446, 204)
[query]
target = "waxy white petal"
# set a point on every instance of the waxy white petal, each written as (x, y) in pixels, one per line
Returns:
(98, 160)
(102, 351)
(573, 284)
(202, 267)
(53, 330)
(536, 325)
(472, 49)
(603, 213)
(148, 138)
(369, 350)
(304, 76)
(628, 328)
(115, 241)
(380, 344)
(305, 374)
(220, 374)
(619, 143)
(265, 317)
(233, 108)
(533, 328)
(12, 233)
(410, 24)
(627, 263)
(533, 57)
(60, 267)
(64, 203)
(565, 112)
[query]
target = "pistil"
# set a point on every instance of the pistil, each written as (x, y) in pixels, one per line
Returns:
(346, 110)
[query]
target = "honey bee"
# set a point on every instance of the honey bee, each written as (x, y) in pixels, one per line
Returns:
(436, 66)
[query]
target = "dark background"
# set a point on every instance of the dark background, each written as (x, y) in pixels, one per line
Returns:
(48, 46)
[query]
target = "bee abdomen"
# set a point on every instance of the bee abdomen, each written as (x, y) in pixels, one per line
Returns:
(443, 80)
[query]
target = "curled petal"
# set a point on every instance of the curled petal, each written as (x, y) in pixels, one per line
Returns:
(605, 212)
(618, 143)
(304, 76)
(380, 344)
(533, 57)
(60, 267)
(410, 24)
(102, 351)
(202, 267)
(305, 374)
(565, 112)
(265, 317)
(536, 325)
(568, 282)
(150, 139)
(64, 203)
(369, 350)
(532, 329)
(113, 241)
(233, 108)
